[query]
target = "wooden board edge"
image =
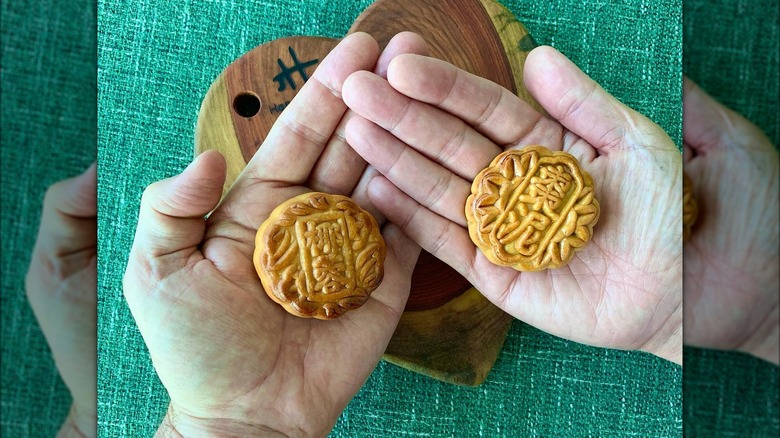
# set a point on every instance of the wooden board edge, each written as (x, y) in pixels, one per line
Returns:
(474, 368)
(517, 42)
(214, 130)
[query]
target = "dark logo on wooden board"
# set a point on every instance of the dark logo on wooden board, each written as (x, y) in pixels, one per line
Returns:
(285, 76)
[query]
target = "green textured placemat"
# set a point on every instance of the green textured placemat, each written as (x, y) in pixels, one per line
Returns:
(48, 128)
(729, 395)
(156, 61)
(732, 49)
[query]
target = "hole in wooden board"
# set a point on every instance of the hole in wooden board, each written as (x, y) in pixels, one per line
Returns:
(247, 104)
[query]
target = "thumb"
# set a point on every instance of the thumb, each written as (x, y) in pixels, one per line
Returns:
(705, 121)
(75, 197)
(69, 216)
(583, 106)
(708, 125)
(172, 212)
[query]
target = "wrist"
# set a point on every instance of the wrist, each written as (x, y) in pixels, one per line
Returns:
(180, 425)
(221, 428)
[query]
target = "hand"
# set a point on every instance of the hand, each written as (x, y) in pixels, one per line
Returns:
(61, 285)
(731, 273)
(433, 127)
(233, 361)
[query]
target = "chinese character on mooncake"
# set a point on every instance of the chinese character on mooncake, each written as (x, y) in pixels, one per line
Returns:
(319, 255)
(532, 209)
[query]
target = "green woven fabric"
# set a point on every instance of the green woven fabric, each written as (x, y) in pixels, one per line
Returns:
(155, 62)
(732, 49)
(48, 126)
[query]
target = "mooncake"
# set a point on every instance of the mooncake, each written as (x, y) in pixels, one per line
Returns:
(532, 209)
(319, 255)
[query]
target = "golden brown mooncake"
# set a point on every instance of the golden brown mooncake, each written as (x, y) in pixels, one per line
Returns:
(532, 209)
(319, 255)
(690, 208)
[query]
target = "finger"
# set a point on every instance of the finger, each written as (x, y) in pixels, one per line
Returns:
(379, 316)
(488, 107)
(444, 239)
(404, 42)
(708, 125)
(705, 121)
(299, 135)
(436, 134)
(435, 234)
(431, 185)
(172, 212)
(582, 106)
(360, 195)
(339, 168)
(77, 196)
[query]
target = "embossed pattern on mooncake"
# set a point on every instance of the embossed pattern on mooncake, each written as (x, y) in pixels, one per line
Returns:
(532, 209)
(690, 208)
(319, 255)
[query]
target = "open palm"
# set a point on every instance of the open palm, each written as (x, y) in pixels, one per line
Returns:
(232, 360)
(731, 272)
(430, 128)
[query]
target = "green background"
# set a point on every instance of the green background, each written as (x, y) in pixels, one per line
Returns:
(156, 61)
(732, 51)
(48, 129)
